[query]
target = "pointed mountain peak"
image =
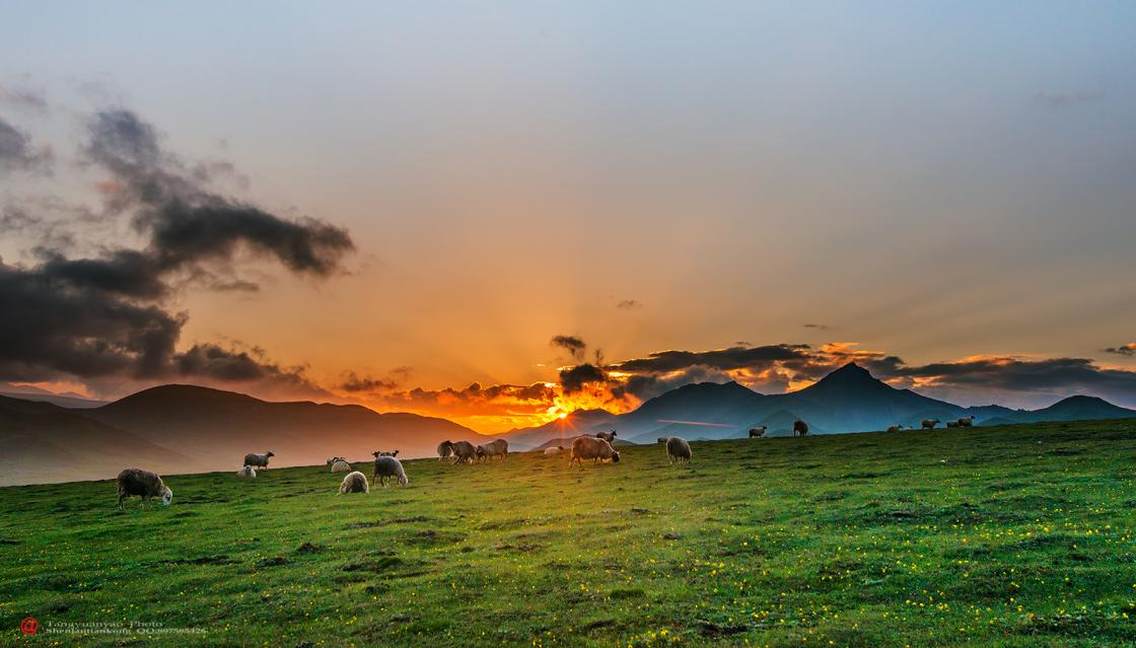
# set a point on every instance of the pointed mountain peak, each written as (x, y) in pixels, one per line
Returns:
(849, 373)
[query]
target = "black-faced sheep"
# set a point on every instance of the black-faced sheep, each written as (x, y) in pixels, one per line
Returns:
(800, 428)
(607, 436)
(966, 421)
(354, 482)
(757, 432)
(388, 466)
(258, 460)
(895, 428)
(248, 472)
(495, 448)
(929, 424)
(593, 448)
(143, 483)
(384, 453)
(677, 449)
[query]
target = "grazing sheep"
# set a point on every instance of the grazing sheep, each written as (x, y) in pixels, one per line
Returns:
(258, 460)
(929, 424)
(607, 436)
(952, 424)
(388, 466)
(248, 472)
(677, 449)
(966, 421)
(463, 451)
(143, 483)
(339, 464)
(445, 449)
(354, 482)
(800, 428)
(496, 448)
(757, 432)
(593, 448)
(895, 428)
(548, 452)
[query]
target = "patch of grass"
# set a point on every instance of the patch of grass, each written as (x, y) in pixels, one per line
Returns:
(979, 537)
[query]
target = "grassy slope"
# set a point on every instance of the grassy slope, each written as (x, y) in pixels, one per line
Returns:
(1012, 536)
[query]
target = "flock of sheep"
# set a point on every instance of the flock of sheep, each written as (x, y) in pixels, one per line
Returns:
(600, 447)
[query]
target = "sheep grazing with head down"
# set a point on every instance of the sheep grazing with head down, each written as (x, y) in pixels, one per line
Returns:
(966, 421)
(144, 484)
(354, 482)
(895, 428)
(338, 465)
(757, 432)
(248, 472)
(677, 449)
(387, 466)
(258, 460)
(800, 428)
(445, 450)
(461, 451)
(607, 436)
(586, 447)
(929, 424)
(496, 448)
(952, 424)
(555, 450)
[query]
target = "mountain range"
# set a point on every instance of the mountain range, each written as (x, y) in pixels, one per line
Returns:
(847, 400)
(185, 428)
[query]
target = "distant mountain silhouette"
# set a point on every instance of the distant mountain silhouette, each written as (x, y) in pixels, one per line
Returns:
(576, 423)
(849, 399)
(185, 428)
(44, 442)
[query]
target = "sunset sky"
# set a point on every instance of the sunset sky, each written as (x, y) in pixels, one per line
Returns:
(404, 204)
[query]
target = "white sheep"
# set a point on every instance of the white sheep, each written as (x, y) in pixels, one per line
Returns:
(586, 447)
(554, 450)
(247, 472)
(354, 482)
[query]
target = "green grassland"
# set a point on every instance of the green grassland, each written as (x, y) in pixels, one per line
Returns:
(1013, 536)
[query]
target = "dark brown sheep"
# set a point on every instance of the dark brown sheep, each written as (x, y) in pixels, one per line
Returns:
(757, 432)
(800, 428)
(143, 483)
(258, 460)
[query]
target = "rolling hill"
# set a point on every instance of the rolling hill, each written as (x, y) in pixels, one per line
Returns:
(184, 428)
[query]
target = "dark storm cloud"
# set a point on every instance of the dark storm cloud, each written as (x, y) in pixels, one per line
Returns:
(53, 326)
(233, 365)
(570, 343)
(105, 316)
(17, 153)
(573, 379)
(353, 382)
(186, 222)
(1015, 374)
(1124, 349)
(127, 272)
(732, 358)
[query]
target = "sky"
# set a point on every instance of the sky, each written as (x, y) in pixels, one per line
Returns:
(500, 212)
